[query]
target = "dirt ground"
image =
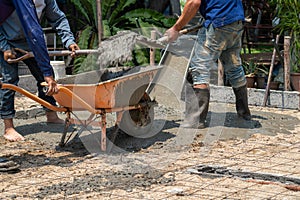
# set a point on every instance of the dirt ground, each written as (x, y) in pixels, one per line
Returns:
(261, 158)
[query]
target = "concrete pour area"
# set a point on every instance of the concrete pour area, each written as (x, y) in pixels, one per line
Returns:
(169, 163)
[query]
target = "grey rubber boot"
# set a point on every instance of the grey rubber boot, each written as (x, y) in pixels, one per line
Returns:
(241, 102)
(196, 107)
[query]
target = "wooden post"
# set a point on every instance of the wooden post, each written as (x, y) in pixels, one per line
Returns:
(270, 72)
(152, 50)
(99, 20)
(103, 132)
(175, 6)
(287, 63)
(220, 74)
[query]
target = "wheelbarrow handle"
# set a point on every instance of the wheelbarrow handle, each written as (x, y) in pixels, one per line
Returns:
(75, 98)
(32, 96)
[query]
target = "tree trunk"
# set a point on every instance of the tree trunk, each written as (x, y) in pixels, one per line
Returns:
(162, 5)
(159, 5)
(175, 5)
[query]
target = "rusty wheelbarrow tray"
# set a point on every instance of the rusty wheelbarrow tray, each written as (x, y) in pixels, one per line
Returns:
(120, 94)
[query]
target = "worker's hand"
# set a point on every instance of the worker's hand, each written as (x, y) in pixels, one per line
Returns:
(52, 85)
(172, 34)
(9, 54)
(73, 48)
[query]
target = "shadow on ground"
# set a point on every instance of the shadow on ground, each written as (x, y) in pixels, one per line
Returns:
(226, 124)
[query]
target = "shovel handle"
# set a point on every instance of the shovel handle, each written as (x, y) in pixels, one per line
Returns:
(27, 54)
(191, 29)
(183, 31)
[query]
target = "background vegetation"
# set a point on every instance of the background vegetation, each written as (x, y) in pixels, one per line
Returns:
(288, 12)
(142, 15)
(117, 15)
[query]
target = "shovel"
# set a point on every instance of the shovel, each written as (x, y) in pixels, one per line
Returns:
(165, 39)
(117, 48)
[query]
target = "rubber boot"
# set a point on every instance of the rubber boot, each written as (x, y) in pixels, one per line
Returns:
(196, 103)
(241, 102)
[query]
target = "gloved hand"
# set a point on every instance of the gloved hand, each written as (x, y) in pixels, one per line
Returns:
(73, 48)
(172, 34)
(9, 54)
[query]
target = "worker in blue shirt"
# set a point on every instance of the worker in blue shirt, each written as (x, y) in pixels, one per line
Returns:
(21, 29)
(219, 38)
(33, 32)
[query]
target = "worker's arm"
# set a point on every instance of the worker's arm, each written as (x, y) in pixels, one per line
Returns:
(35, 38)
(34, 34)
(6, 9)
(189, 11)
(59, 22)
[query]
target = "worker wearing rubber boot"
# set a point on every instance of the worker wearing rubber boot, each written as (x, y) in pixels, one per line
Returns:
(219, 38)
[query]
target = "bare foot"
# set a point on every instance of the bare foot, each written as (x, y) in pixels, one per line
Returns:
(52, 117)
(12, 135)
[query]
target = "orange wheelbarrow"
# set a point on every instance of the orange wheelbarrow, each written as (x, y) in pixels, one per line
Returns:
(119, 95)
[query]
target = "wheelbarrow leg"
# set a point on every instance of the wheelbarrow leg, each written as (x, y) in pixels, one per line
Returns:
(115, 130)
(103, 131)
(67, 125)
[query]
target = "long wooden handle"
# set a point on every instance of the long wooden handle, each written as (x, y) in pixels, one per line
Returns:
(270, 71)
(52, 53)
(77, 52)
(183, 31)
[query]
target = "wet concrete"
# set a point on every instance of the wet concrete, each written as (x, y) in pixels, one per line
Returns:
(166, 131)
(219, 171)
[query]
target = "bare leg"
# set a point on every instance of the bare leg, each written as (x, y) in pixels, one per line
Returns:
(201, 86)
(10, 132)
(52, 117)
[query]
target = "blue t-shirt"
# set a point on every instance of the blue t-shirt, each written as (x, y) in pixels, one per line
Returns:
(221, 12)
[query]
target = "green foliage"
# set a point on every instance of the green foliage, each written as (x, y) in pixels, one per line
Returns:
(250, 68)
(182, 4)
(117, 15)
(262, 70)
(289, 13)
(258, 49)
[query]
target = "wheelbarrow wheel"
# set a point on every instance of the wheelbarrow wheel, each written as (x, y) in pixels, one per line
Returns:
(138, 122)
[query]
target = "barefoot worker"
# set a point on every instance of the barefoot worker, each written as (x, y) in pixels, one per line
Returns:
(20, 28)
(26, 14)
(34, 33)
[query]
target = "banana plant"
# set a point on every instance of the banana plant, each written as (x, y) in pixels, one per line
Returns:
(117, 15)
(288, 12)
